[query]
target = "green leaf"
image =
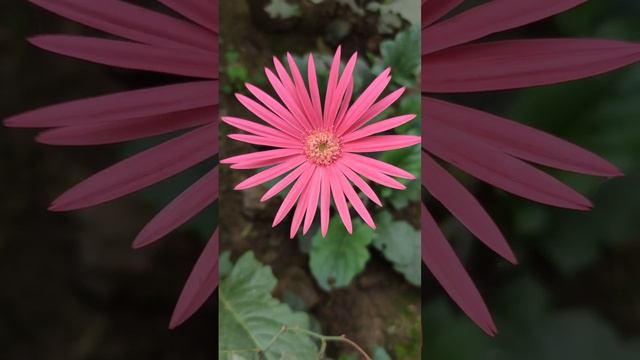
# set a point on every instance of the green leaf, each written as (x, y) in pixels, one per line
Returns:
(380, 354)
(399, 242)
(281, 9)
(252, 319)
(402, 54)
(409, 160)
(338, 258)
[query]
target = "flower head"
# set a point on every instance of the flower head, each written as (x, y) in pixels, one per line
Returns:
(493, 149)
(317, 147)
(149, 41)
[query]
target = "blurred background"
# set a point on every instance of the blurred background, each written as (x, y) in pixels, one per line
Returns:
(575, 294)
(72, 287)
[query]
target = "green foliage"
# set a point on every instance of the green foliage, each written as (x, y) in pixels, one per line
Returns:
(399, 242)
(402, 54)
(407, 159)
(380, 354)
(392, 14)
(282, 9)
(338, 258)
(237, 74)
(253, 320)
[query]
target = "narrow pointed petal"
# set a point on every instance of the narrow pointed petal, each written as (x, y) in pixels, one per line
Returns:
(200, 285)
(132, 22)
(288, 100)
(345, 84)
(513, 64)
(141, 170)
(271, 173)
(190, 203)
(516, 139)
(202, 12)
(124, 105)
(380, 166)
(255, 128)
(266, 141)
(332, 81)
(312, 201)
(313, 87)
(260, 155)
(296, 190)
(129, 129)
(501, 170)
(433, 10)
(302, 93)
(291, 123)
(443, 263)
(298, 214)
(361, 184)
(129, 55)
(267, 116)
(464, 206)
(378, 127)
(368, 97)
(325, 201)
(354, 199)
(488, 18)
(381, 143)
(285, 181)
(339, 200)
(373, 174)
(375, 110)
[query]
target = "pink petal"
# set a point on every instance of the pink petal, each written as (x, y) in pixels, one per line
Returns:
(378, 127)
(443, 263)
(312, 201)
(266, 141)
(372, 174)
(191, 202)
(338, 198)
(298, 214)
(289, 95)
(380, 166)
(331, 84)
(302, 93)
(375, 110)
(301, 183)
(288, 100)
(367, 98)
(313, 87)
(361, 184)
(325, 201)
(290, 123)
(271, 173)
(381, 143)
(200, 286)
(282, 184)
(354, 199)
(260, 155)
(337, 97)
(254, 128)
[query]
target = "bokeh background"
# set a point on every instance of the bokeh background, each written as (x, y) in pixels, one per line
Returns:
(72, 287)
(575, 294)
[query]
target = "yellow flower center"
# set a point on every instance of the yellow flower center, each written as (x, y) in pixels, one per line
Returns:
(322, 147)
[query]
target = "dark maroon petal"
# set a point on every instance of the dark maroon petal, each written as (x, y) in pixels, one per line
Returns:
(203, 12)
(201, 284)
(500, 170)
(433, 10)
(128, 129)
(516, 139)
(129, 55)
(491, 17)
(123, 105)
(142, 170)
(443, 263)
(187, 205)
(464, 206)
(522, 63)
(133, 22)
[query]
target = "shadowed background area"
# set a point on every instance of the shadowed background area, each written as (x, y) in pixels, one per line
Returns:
(72, 287)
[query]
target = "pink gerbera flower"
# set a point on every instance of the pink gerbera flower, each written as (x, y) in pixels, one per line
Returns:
(490, 148)
(155, 42)
(319, 147)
